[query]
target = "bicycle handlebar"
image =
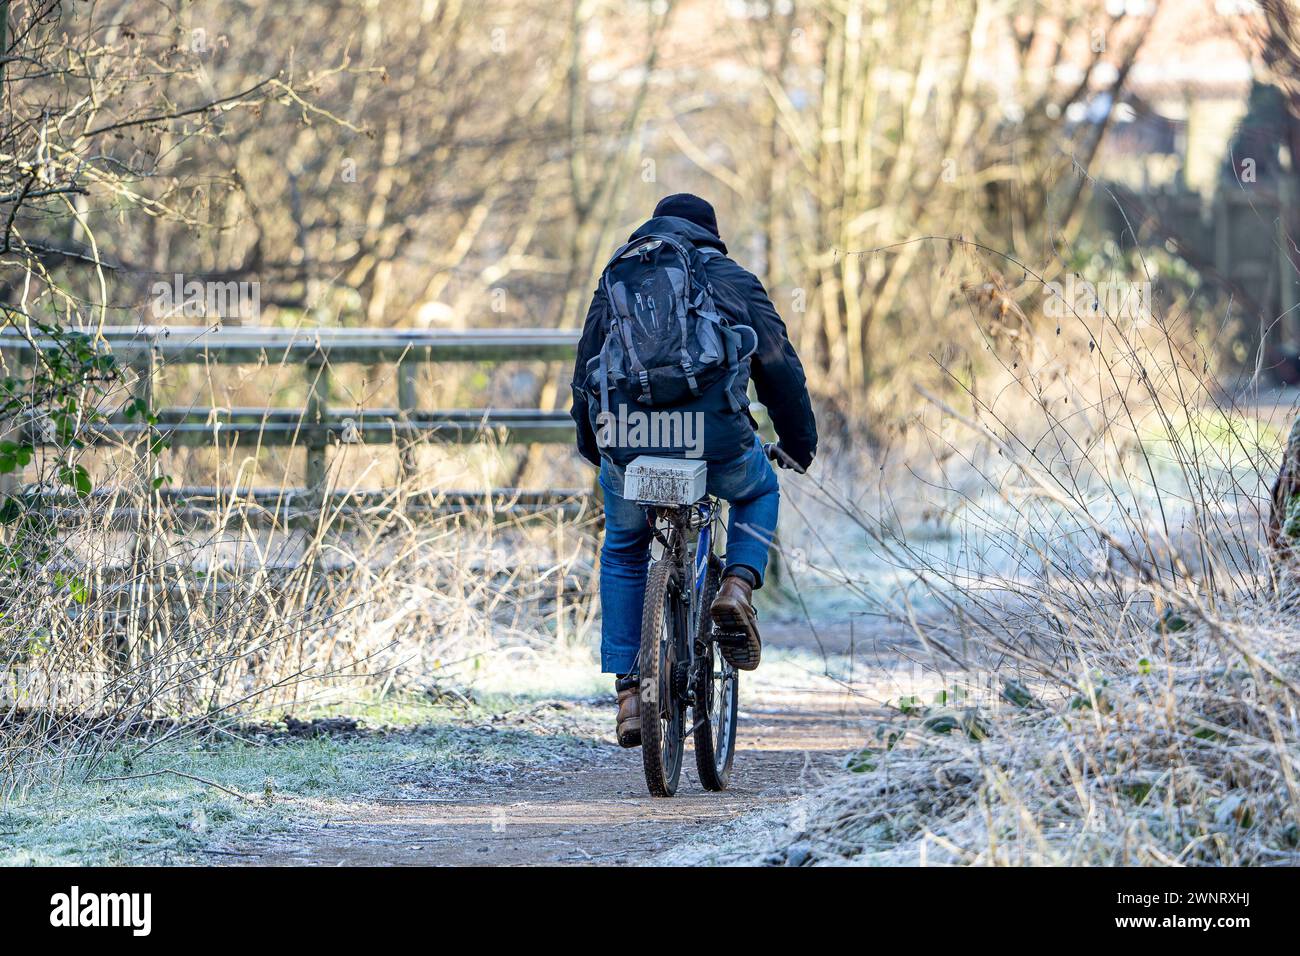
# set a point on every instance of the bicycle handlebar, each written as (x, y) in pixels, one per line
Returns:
(777, 454)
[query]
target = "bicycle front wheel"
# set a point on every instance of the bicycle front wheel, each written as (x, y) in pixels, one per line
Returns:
(662, 666)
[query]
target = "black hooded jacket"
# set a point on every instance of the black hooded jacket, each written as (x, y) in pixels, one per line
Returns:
(775, 370)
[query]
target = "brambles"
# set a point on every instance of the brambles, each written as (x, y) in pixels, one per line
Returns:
(103, 639)
(1112, 586)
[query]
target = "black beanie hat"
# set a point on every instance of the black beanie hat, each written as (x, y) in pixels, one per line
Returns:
(691, 208)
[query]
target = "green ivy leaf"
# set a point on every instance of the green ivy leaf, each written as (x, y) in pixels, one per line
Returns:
(77, 588)
(77, 478)
(10, 510)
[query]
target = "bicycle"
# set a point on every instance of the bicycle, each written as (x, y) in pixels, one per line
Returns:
(679, 664)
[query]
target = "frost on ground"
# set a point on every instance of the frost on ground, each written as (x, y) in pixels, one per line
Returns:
(756, 839)
(1118, 655)
(276, 778)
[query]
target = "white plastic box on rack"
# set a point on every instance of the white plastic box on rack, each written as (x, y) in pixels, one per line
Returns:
(665, 481)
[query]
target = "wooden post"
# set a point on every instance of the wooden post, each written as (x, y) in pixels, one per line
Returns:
(1286, 266)
(316, 418)
(146, 458)
(13, 366)
(145, 370)
(408, 371)
(1222, 231)
(145, 555)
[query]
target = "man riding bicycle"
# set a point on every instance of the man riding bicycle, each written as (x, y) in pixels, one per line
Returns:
(673, 334)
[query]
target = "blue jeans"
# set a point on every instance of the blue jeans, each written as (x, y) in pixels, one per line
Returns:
(748, 483)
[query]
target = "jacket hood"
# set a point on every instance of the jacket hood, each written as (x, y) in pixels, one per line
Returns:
(676, 226)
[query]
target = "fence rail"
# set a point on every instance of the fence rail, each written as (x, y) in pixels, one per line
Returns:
(287, 426)
(215, 508)
(318, 426)
(234, 345)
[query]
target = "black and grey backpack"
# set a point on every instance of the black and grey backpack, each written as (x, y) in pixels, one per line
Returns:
(666, 343)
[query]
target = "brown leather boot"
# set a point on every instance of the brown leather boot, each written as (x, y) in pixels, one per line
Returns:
(736, 622)
(629, 713)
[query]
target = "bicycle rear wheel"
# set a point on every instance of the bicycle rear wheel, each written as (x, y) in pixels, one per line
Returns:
(662, 659)
(717, 697)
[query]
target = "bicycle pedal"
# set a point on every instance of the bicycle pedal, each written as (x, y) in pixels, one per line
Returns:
(730, 638)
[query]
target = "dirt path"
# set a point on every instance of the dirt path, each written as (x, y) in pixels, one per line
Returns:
(594, 808)
(594, 812)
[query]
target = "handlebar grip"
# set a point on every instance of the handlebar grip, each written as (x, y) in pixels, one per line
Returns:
(774, 451)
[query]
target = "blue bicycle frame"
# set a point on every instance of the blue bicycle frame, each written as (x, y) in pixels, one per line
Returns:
(707, 511)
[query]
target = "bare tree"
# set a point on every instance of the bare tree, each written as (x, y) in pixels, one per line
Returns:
(892, 129)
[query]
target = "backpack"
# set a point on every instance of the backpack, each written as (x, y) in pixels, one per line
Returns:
(666, 343)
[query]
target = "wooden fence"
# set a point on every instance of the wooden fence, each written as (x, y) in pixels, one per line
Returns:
(1241, 239)
(318, 426)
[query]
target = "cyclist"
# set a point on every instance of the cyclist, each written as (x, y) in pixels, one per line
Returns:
(738, 467)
